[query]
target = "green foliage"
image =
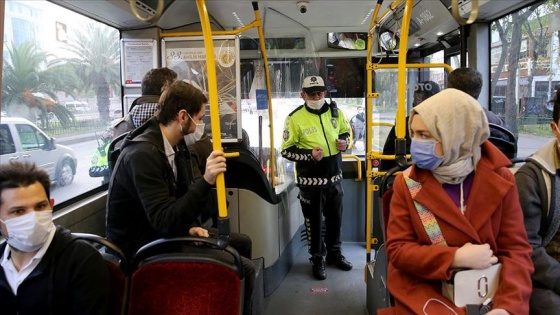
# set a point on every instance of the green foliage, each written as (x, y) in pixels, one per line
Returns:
(30, 84)
(97, 62)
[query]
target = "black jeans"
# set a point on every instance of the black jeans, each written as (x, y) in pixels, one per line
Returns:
(244, 246)
(544, 301)
(317, 203)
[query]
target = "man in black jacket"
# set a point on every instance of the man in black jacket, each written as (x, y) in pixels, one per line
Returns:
(469, 80)
(43, 268)
(153, 192)
(144, 107)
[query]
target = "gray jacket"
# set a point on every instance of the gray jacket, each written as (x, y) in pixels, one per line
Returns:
(540, 210)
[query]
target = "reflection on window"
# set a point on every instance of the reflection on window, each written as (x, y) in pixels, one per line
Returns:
(75, 60)
(351, 41)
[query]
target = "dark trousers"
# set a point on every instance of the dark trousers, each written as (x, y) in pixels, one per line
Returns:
(544, 301)
(244, 246)
(317, 203)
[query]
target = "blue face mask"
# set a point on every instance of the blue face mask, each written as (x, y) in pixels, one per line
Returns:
(423, 154)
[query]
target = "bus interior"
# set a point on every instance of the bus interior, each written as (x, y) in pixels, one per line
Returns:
(263, 50)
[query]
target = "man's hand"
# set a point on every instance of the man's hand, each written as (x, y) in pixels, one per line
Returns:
(198, 231)
(215, 164)
(341, 144)
(317, 153)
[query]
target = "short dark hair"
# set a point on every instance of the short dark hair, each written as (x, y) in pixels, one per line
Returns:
(425, 90)
(17, 174)
(468, 80)
(556, 108)
(155, 79)
(177, 96)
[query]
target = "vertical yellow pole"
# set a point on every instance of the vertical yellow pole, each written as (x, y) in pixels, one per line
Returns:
(267, 77)
(213, 92)
(369, 93)
(403, 49)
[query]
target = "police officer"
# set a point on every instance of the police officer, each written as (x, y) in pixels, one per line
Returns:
(99, 166)
(314, 136)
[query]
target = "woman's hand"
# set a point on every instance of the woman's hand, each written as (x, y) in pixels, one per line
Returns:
(474, 257)
(498, 311)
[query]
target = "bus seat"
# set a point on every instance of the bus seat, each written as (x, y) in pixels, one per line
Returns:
(115, 150)
(246, 172)
(516, 163)
(116, 265)
(503, 139)
(378, 294)
(186, 275)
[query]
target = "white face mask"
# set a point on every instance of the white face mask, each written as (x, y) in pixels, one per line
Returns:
(196, 135)
(315, 104)
(30, 231)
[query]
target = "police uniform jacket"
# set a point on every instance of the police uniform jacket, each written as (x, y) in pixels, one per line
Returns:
(306, 128)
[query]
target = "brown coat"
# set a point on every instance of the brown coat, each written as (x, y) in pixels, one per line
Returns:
(493, 215)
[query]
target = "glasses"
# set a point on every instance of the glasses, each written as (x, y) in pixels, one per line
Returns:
(314, 94)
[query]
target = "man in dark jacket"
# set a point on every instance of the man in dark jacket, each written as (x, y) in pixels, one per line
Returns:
(538, 182)
(153, 192)
(469, 80)
(144, 107)
(43, 268)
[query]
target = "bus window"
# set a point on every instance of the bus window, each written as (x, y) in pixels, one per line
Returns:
(77, 63)
(524, 67)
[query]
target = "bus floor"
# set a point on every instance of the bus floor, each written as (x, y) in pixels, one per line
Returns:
(343, 292)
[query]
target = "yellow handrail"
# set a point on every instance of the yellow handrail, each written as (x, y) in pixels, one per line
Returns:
(269, 90)
(414, 66)
(401, 106)
(258, 24)
(155, 17)
(213, 92)
(355, 157)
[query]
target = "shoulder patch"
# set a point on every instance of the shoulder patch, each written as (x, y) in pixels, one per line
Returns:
(286, 135)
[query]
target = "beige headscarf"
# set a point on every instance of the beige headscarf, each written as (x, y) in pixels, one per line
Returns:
(456, 120)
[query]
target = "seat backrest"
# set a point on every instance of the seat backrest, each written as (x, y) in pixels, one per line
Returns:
(116, 265)
(503, 139)
(386, 193)
(186, 275)
(246, 172)
(383, 298)
(115, 150)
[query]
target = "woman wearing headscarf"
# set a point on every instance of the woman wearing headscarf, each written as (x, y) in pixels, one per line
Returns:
(463, 180)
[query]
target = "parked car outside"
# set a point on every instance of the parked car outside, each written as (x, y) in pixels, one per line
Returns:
(77, 106)
(21, 140)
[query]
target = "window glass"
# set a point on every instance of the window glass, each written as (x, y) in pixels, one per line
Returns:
(525, 67)
(350, 41)
(7, 145)
(75, 60)
(28, 137)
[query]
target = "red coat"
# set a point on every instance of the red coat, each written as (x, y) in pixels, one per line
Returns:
(493, 215)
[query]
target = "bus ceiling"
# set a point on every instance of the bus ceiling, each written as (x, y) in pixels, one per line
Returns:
(432, 24)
